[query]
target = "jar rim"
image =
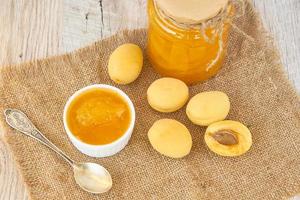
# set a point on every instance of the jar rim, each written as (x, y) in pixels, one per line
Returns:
(198, 11)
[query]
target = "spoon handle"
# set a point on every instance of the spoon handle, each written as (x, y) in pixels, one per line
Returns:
(19, 121)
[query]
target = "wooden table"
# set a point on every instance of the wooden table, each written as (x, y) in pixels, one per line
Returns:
(31, 29)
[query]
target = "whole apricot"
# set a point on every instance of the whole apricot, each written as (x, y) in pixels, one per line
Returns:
(170, 138)
(208, 107)
(125, 63)
(167, 94)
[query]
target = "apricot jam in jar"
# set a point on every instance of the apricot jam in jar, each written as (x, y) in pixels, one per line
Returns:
(187, 39)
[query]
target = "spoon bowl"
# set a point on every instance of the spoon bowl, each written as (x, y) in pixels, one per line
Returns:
(92, 177)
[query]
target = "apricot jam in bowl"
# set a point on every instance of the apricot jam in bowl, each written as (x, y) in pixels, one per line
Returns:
(99, 120)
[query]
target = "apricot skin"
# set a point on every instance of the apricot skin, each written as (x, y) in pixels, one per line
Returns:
(206, 108)
(170, 138)
(167, 94)
(125, 63)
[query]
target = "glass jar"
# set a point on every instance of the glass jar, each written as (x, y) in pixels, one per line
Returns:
(185, 51)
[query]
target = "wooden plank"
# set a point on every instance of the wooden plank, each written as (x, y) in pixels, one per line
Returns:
(11, 185)
(31, 29)
(282, 18)
(91, 20)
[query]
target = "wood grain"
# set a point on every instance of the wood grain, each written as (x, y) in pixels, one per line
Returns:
(283, 20)
(31, 29)
(88, 21)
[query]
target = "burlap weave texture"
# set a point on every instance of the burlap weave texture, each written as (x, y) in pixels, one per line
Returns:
(261, 98)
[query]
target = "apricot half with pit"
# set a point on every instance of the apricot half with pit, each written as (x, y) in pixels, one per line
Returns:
(228, 138)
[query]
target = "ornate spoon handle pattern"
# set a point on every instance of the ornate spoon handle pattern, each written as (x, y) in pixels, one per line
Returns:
(19, 121)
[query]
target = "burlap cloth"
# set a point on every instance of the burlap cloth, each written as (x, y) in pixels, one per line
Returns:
(252, 76)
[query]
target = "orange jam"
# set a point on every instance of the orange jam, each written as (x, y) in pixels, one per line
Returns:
(183, 53)
(98, 116)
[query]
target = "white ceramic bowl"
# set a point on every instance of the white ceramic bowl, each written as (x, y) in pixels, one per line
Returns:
(107, 149)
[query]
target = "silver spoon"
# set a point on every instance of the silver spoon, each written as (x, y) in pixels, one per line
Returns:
(91, 177)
